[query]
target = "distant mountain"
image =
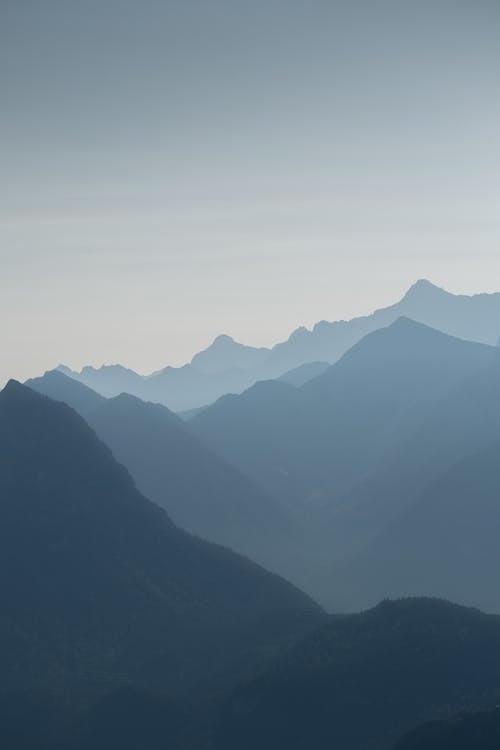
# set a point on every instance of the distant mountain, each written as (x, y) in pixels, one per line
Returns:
(364, 680)
(478, 731)
(308, 445)
(226, 354)
(108, 380)
(201, 492)
(229, 367)
(100, 589)
(444, 544)
(300, 375)
(461, 425)
(354, 448)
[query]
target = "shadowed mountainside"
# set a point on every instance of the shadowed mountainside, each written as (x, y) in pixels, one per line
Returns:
(99, 588)
(363, 680)
(201, 492)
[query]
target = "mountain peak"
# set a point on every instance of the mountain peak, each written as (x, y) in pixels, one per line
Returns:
(223, 339)
(12, 386)
(64, 369)
(423, 287)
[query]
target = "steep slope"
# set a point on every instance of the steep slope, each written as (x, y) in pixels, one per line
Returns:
(363, 680)
(466, 420)
(310, 443)
(445, 544)
(201, 492)
(99, 588)
(229, 367)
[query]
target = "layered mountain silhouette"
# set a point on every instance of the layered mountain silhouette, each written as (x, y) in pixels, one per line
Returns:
(300, 375)
(356, 454)
(444, 544)
(306, 444)
(100, 589)
(227, 366)
(201, 492)
(359, 460)
(356, 448)
(364, 680)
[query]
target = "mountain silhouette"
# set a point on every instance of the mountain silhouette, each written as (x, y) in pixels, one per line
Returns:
(201, 492)
(364, 680)
(444, 544)
(306, 445)
(227, 366)
(99, 588)
(300, 375)
(465, 422)
(353, 448)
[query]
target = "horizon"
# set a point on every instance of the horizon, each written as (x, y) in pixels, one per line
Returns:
(174, 171)
(5, 377)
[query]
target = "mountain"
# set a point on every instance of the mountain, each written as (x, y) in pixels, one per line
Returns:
(355, 447)
(226, 354)
(308, 444)
(108, 380)
(376, 519)
(476, 318)
(201, 492)
(100, 590)
(227, 366)
(363, 680)
(478, 731)
(444, 544)
(300, 375)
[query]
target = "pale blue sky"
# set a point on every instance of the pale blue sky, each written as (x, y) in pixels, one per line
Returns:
(175, 170)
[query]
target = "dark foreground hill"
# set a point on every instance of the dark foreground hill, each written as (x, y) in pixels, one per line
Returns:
(480, 731)
(101, 591)
(201, 492)
(363, 680)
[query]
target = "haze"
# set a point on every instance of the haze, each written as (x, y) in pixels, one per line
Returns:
(176, 170)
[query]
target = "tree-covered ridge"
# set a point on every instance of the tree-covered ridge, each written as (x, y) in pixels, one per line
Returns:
(363, 680)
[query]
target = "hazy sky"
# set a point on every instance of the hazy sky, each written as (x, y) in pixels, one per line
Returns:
(176, 170)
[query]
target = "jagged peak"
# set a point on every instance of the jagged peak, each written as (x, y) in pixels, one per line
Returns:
(62, 368)
(13, 386)
(16, 392)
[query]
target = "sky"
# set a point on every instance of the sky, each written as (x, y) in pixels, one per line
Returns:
(171, 171)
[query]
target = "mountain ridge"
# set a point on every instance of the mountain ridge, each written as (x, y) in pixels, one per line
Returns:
(227, 366)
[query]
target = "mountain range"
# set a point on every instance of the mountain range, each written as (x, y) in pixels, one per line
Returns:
(333, 483)
(160, 575)
(101, 591)
(227, 366)
(352, 450)
(170, 465)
